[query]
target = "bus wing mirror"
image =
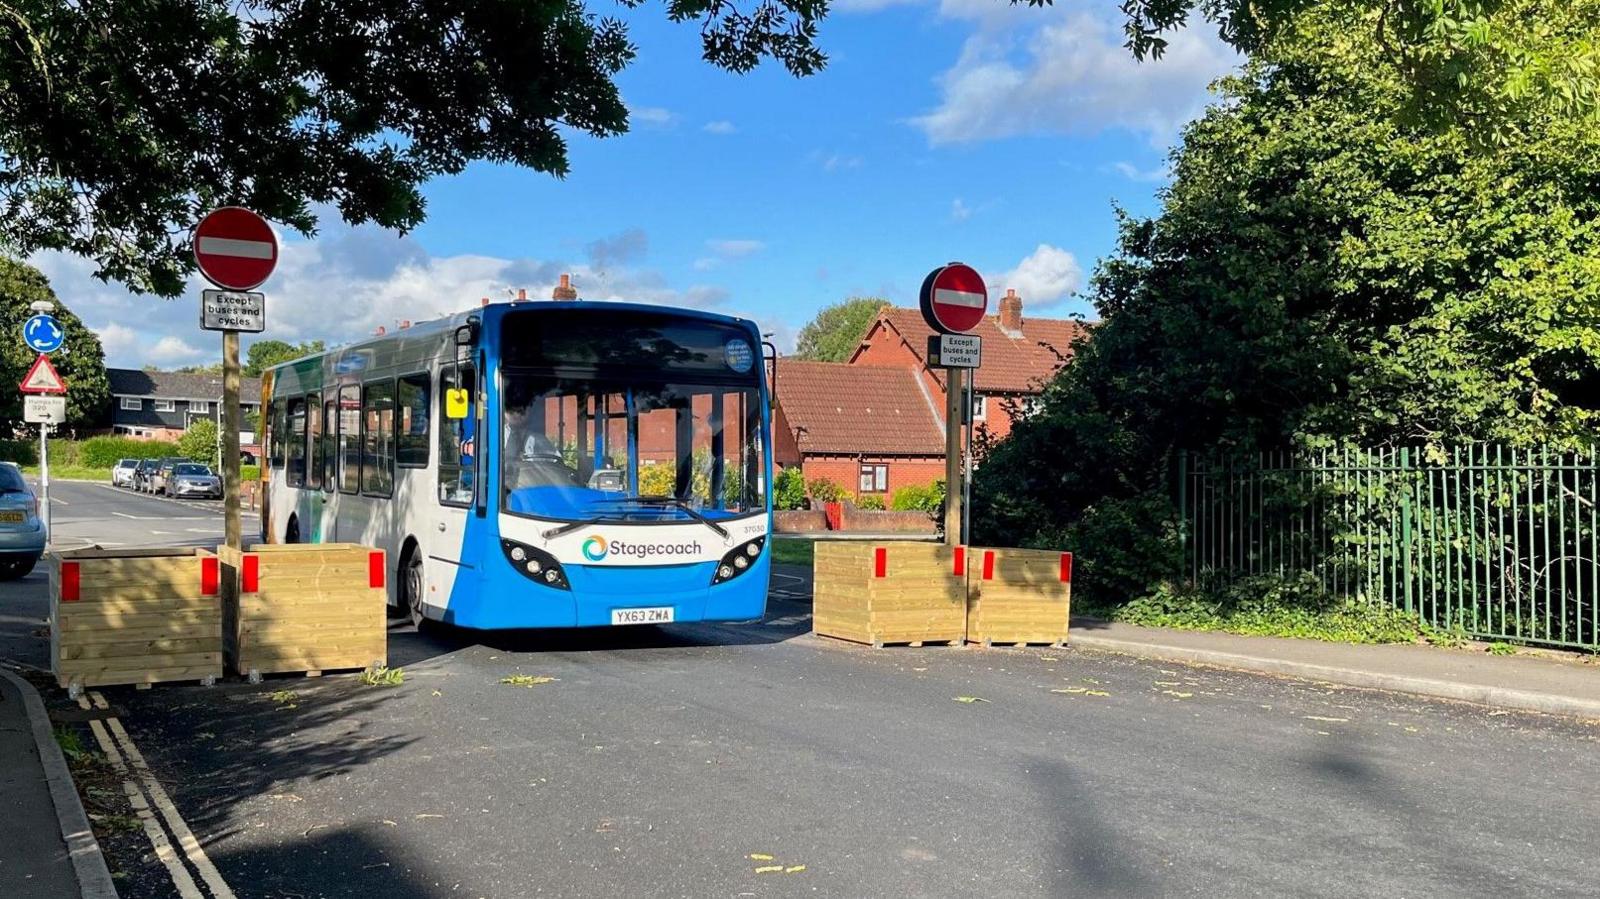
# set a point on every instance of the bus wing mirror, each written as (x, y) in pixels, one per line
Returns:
(456, 403)
(465, 337)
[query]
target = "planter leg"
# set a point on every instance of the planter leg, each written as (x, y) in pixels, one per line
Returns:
(255, 676)
(209, 680)
(74, 690)
(877, 644)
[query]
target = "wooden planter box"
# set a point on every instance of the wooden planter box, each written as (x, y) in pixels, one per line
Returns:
(304, 607)
(889, 592)
(1018, 595)
(135, 616)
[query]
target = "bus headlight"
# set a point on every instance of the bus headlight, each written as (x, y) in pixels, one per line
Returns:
(535, 564)
(739, 561)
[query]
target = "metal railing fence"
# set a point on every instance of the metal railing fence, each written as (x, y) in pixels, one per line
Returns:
(1500, 542)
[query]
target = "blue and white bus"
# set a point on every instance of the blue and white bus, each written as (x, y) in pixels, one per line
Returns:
(532, 465)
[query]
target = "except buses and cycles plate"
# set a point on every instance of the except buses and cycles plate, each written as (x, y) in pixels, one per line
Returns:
(652, 615)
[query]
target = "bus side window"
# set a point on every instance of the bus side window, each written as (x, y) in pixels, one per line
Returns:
(458, 444)
(412, 426)
(295, 470)
(330, 440)
(314, 440)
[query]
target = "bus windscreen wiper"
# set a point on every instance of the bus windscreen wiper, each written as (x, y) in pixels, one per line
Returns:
(681, 505)
(571, 526)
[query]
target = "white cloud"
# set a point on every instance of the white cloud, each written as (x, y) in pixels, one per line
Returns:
(1133, 173)
(345, 284)
(719, 127)
(1069, 73)
(652, 115)
(840, 161)
(727, 250)
(1046, 276)
(959, 211)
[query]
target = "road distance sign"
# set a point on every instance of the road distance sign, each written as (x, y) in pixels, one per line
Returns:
(235, 248)
(44, 410)
(954, 298)
(42, 378)
(43, 334)
(233, 310)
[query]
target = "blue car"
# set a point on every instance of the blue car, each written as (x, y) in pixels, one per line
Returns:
(22, 535)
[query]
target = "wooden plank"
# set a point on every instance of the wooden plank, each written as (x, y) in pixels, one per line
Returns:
(77, 623)
(187, 660)
(143, 649)
(141, 676)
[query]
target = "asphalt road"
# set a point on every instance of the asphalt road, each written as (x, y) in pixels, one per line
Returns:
(658, 761)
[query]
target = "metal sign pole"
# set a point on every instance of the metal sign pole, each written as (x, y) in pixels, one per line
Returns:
(954, 380)
(230, 439)
(44, 481)
(966, 458)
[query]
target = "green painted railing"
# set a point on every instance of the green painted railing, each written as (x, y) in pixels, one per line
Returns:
(1500, 542)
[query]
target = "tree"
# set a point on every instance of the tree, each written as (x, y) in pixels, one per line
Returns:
(120, 123)
(199, 442)
(264, 354)
(1321, 273)
(81, 362)
(835, 332)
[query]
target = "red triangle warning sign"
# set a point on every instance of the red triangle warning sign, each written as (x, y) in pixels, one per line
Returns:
(42, 378)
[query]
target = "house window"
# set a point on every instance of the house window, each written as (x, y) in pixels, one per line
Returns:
(201, 406)
(980, 407)
(166, 406)
(874, 478)
(132, 404)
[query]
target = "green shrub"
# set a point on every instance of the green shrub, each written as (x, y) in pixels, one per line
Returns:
(871, 503)
(927, 498)
(789, 489)
(103, 452)
(822, 490)
(249, 473)
(199, 442)
(22, 452)
(1272, 606)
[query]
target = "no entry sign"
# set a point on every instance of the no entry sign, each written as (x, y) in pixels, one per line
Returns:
(954, 298)
(235, 248)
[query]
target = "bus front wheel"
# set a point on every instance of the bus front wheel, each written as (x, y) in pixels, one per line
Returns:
(412, 580)
(291, 533)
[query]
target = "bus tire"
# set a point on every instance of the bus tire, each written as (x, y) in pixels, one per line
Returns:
(411, 581)
(399, 608)
(291, 531)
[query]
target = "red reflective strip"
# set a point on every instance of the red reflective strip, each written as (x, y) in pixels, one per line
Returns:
(988, 565)
(880, 562)
(69, 581)
(250, 574)
(1066, 568)
(210, 576)
(375, 570)
(960, 567)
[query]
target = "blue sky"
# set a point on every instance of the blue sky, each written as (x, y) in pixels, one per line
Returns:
(966, 130)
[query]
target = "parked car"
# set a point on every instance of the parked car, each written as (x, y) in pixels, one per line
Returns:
(162, 476)
(122, 472)
(22, 535)
(188, 479)
(142, 472)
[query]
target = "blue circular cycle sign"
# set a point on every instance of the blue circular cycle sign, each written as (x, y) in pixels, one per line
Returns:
(738, 354)
(43, 334)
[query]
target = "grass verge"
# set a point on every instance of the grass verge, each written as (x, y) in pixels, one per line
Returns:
(793, 552)
(71, 473)
(1273, 608)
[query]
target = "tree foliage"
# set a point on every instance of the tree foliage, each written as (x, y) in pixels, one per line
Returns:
(1321, 273)
(836, 330)
(81, 362)
(264, 354)
(120, 123)
(199, 441)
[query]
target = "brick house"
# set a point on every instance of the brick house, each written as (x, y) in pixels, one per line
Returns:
(160, 405)
(1019, 357)
(876, 423)
(870, 429)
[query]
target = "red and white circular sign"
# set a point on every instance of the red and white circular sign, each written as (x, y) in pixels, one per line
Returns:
(235, 248)
(954, 298)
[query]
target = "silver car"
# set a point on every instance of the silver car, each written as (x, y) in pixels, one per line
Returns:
(189, 479)
(22, 535)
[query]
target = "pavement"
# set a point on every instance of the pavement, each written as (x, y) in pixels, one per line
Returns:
(672, 761)
(34, 860)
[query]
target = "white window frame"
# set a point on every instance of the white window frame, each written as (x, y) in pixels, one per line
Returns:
(200, 407)
(879, 475)
(132, 404)
(166, 405)
(980, 406)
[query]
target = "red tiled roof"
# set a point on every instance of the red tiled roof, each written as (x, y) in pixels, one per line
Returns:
(838, 408)
(1011, 364)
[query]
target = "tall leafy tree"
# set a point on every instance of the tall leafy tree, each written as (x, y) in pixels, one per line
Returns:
(1321, 273)
(836, 330)
(80, 361)
(264, 354)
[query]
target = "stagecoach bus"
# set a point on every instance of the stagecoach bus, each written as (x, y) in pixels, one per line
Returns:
(529, 465)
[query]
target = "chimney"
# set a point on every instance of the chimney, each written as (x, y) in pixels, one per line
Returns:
(522, 295)
(1011, 312)
(564, 290)
(485, 301)
(405, 323)
(381, 331)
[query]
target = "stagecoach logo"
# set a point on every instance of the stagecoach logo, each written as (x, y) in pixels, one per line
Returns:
(597, 548)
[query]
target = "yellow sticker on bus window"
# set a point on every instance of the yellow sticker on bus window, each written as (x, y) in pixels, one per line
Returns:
(456, 403)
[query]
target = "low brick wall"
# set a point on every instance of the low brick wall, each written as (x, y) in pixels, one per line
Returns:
(799, 521)
(871, 521)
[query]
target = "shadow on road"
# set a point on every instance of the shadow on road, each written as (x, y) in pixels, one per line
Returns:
(1085, 851)
(362, 861)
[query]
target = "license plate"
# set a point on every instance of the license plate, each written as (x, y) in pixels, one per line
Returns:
(655, 615)
(18, 518)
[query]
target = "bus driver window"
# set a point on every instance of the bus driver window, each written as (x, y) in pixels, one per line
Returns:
(458, 443)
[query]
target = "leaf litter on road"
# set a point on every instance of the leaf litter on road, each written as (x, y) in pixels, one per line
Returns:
(969, 699)
(527, 680)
